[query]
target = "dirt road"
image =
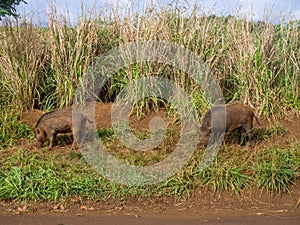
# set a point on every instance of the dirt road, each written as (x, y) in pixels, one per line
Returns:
(47, 219)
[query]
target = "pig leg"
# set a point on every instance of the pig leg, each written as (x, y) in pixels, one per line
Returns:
(51, 140)
(242, 135)
(217, 135)
(248, 129)
(250, 135)
(51, 136)
(76, 135)
(73, 144)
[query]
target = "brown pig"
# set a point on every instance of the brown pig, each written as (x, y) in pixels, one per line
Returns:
(238, 116)
(59, 121)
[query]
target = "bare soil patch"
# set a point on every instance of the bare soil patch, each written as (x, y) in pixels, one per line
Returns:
(102, 117)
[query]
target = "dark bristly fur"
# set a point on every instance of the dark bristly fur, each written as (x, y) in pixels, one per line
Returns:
(45, 114)
(238, 116)
(59, 121)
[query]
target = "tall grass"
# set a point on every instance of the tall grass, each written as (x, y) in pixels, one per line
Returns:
(22, 63)
(70, 54)
(11, 129)
(257, 63)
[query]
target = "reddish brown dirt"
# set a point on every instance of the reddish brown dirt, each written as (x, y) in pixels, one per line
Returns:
(63, 219)
(102, 117)
(202, 208)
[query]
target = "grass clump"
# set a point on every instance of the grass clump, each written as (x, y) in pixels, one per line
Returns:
(34, 177)
(277, 170)
(11, 129)
(224, 176)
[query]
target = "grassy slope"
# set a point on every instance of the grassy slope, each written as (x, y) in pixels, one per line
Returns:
(37, 175)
